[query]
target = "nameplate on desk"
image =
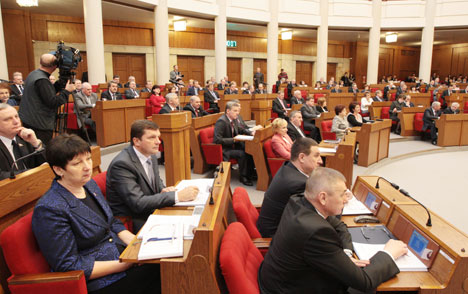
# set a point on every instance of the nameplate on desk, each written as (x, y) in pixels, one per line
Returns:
(243, 138)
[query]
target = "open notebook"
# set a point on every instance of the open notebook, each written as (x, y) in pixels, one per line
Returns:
(161, 241)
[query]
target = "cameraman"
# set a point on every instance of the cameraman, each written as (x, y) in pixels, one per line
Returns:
(40, 100)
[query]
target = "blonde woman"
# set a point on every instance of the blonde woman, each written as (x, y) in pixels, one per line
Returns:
(281, 143)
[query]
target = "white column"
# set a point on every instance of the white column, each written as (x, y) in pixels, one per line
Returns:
(3, 59)
(94, 41)
(272, 45)
(427, 42)
(322, 42)
(374, 43)
(161, 39)
(220, 41)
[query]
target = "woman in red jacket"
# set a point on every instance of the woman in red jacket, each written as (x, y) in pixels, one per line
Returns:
(156, 100)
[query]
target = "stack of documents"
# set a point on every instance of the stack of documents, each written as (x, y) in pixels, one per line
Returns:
(161, 241)
(203, 185)
(243, 138)
(189, 222)
(327, 150)
(355, 207)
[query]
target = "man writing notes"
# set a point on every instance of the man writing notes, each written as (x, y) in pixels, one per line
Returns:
(134, 187)
(307, 253)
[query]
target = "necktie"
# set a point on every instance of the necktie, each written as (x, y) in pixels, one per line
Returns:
(16, 151)
(233, 130)
(21, 89)
(150, 172)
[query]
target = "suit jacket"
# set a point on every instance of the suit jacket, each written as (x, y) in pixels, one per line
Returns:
(146, 90)
(259, 78)
(247, 92)
(306, 256)
(72, 236)
(228, 91)
(293, 133)
(449, 110)
(16, 93)
(321, 109)
(192, 91)
(258, 91)
(280, 147)
(82, 107)
(411, 104)
(429, 118)
(155, 102)
(6, 160)
(106, 95)
(223, 134)
(294, 100)
(279, 109)
(195, 113)
(381, 99)
(221, 87)
(211, 98)
(167, 109)
(336, 91)
(309, 113)
(130, 95)
(398, 106)
(129, 192)
(446, 93)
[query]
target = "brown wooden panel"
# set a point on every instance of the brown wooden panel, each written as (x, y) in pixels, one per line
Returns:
(82, 66)
(248, 43)
(66, 31)
(331, 71)
(188, 39)
(128, 36)
(234, 70)
(192, 67)
(126, 65)
(304, 72)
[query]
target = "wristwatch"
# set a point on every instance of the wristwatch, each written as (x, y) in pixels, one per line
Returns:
(38, 145)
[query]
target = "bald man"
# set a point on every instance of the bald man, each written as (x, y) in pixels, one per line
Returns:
(40, 99)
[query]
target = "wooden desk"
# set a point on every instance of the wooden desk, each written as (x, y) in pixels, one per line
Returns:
(421, 99)
(114, 119)
(244, 101)
(339, 98)
(343, 159)
(198, 270)
(373, 142)
(270, 97)
(406, 116)
(296, 107)
(261, 110)
(255, 148)
(199, 163)
(453, 130)
(456, 97)
(375, 109)
(19, 196)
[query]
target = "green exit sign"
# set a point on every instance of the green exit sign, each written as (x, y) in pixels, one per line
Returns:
(231, 44)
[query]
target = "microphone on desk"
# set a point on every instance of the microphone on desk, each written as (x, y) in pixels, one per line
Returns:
(12, 171)
(429, 220)
(392, 184)
(215, 175)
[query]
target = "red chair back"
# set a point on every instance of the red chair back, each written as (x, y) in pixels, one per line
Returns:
(373, 90)
(239, 260)
(94, 88)
(286, 94)
(304, 94)
(213, 152)
(274, 163)
(21, 251)
(392, 97)
(317, 96)
(100, 180)
(327, 134)
(385, 112)
(245, 212)
(72, 122)
(465, 107)
(274, 89)
(418, 121)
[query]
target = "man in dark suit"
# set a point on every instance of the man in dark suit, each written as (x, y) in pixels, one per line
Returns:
(231, 90)
(280, 106)
(226, 128)
(297, 98)
(309, 114)
(17, 88)
(132, 92)
(387, 89)
(453, 109)
(131, 79)
(212, 97)
(116, 79)
(148, 87)
(195, 108)
(222, 85)
(260, 89)
(408, 102)
(133, 185)
(395, 108)
(172, 104)
(85, 100)
(15, 142)
(289, 180)
(402, 89)
(259, 78)
(446, 93)
(311, 250)
(430, 115)
(290, 86)
(250, 90)
(378, 96)
(353, 89)
(111, 93)
(336, 89)
(294, 125)
(195, 89)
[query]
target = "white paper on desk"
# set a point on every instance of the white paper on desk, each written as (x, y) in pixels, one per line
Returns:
(243, 138)
(203, 186)
(406, 263)
(189, 222)
(355, 207)
(327, 150)
(165, 248)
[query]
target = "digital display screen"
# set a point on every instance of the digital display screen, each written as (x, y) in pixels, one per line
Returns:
(370, 201)
(418, 243)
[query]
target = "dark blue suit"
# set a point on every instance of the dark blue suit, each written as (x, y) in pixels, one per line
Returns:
(72, 236)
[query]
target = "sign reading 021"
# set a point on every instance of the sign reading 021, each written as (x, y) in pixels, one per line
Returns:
(231, 44)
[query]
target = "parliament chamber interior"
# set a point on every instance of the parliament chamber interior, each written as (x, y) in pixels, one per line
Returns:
(208, 128)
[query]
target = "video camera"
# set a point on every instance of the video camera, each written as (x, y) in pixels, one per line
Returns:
(67, 60)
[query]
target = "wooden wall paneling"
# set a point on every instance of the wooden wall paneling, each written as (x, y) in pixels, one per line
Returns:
(18, 46)
(335, 50)
(118, 35)
(386, 59)
(331, 71)
(285, 46)
(234, 70)
(67, 31)
(192, 67)
(361, 57)
(304, 72)
(459, 60)
(409, 62)
(188, 39)
(262, 63)
(126, 65)
(39, 27)
(304, 48)
(441, 60)
(248, 43)
(82, 66)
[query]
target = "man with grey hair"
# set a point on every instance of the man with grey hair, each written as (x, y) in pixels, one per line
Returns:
(453, 109)
(131, 79)
(172, 103)
(85, 100)
(132, 92)
(378, 96)
(294, 125)
(297, 98)
(112, 93)
(431, 114)
(309, 254)
(226, 129)
(195, 108)
(17, 88)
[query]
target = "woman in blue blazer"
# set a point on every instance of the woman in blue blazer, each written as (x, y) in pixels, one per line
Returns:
(75, 228)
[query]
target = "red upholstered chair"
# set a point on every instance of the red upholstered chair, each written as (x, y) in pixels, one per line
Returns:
(385, 112)
(213, 152)
(94, 88)
(148, 108)
(304, 94)
(327, 134)
(30, 271)
(274, 114)
(465, 107)
(317, 96)
(286, 94)
(239, 260)
(72, 123)
(373, 90)
(418, 121)
(392, 97)
(274, 89)
(274, 163)
(245, 212)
